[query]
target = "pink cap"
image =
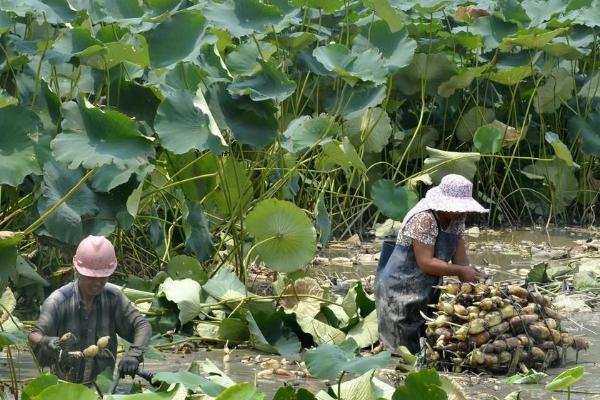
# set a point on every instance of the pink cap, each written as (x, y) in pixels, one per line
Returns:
(95, 257)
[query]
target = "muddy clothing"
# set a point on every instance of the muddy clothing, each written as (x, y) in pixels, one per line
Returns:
(111, 314)
(402, 289)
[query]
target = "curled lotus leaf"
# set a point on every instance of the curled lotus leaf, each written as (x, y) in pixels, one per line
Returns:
(92, 138)
(303, 296)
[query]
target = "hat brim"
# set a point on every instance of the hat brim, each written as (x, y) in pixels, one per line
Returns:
(439, 202)
(95, 273)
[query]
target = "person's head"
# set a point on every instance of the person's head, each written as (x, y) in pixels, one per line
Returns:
(95, 261)
(453, 197)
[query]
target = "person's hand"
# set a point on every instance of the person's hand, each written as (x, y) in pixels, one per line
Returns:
(128, 366)
(51, 344)
(469, 274)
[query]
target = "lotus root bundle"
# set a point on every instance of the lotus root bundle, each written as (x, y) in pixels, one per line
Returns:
(498, 327)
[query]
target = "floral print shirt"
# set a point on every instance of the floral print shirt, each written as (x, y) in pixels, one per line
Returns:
(423, 228)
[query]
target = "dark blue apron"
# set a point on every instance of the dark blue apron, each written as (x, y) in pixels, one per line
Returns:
(402, 289)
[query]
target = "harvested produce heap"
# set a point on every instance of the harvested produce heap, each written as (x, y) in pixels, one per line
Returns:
(496, 327)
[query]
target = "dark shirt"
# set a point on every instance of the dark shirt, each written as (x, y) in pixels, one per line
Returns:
(111, 314)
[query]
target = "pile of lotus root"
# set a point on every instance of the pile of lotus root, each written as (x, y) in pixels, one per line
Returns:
(496, 327)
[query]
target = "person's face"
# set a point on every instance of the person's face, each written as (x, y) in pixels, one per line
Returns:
(91, 286)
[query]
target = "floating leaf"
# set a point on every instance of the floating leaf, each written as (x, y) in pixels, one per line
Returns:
(17, 146)
(328, 360)
(366, 66)
(178, 38)
(285, 237)
(186, 294)
(267, 84)
(393, 201)
(566, 379)
(441, 163)
(183, 122)
(92, 138)
(242, 17)
(371, 128)
(557, 89)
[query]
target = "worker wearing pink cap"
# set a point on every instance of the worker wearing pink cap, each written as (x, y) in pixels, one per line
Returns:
(89, 308)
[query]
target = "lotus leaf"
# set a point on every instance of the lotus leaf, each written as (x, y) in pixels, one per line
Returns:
(342, 154)
(329, 360)
(198, 238)
(350, 66)
(397, 48)
(423, 384)
(533, 40)
(323, 221)
(285, 238)
(460, 81)
(17, 146)
(365, 333)
(428, 70)
(292, 300)
(242, 17)
(250, 122)
(66, 391)
(190, 380)
(225, 285)
(384, 10)
(66, 224)
(492, 30)
(33, 388)
(358, 302)
(185, 28)
(267, 84)
(566, 379)
(121, 10)
(269, 333)
(560, 149)
(472, 120)
(441, 163)
(540, 11)
(365, 387)
(354, 98)
(320, 331)
(488, 140)
(184, 122)
(591, 89)
(586, 280)
(234, 189)
(289, 393)
(92, 138)
(241, 391)
(305, 132)
(513, 11)
(393, 201)
(233, 329)
(371, 128)
(186, 294)
(6, 99)
(560, 179)
(109, 176)
(558, 89)
(531, 377)
(586, 128)
(177, 393)
(181, 267)
(414, 148)
(327, 6)
(243, 60)
(54, 12)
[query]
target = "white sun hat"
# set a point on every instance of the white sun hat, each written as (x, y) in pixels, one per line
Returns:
(453, 194)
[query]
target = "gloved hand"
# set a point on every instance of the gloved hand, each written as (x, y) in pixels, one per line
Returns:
(51, 344)
(128, 366)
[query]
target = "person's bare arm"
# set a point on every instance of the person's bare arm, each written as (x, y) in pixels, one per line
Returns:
(431, 265)
(460, 257)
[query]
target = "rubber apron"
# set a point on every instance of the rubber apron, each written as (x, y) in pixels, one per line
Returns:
(402, 289)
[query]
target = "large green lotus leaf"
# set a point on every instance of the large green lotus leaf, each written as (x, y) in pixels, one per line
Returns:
(17, 146)
(513, 11)
(182, 267)
(365, 333)
(534, 40)
(566, 379)
(320, 331)
(267, 84)
(441, 163)
(233, 329)
(71, 42)
(353, 98)
(492, 30)
(66, 391)
(131, 48)
(587, 129)
(562, 50)
(242, 17)
(234, 190)
(305, 132)
(365, 387)
(285, 237)
(189, 167)
(297, 41)
(323, 220)
(557, 89)
(6, 22)
(115, 10)
(586, 13)
(460, 81)
(327, 6)
(328, 360)
(40, 383)
(512, 75)
(250, 122)
(391, 200)
(178, 38)
(177, 393)
(109, 177)
(225, 285)
(52, 11)
(585, 281)
(190, 380)
(397, 48)
(92, 138)
(186, 294)
(241, 391)
(9, 241)
(371, 128)
(591, 88)
(488, 139)
(560, 178)
(539, 11)
(341, 154)
(269, 333)
(137, 101)
(66, 224)
(430, 70)
(184, 122)
(198, 238)
(422, 384)
(384, 10)
(472, 120)
(415, 150)
(357, 302)
(350, 66)
(243, 60)
(289, 393)
(560, 149)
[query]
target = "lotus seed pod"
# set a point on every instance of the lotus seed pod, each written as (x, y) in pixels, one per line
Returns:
(476, 326)
(66, 337)
(486, 304)
(466, 288)
(91, 351)
(103, 342)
